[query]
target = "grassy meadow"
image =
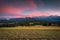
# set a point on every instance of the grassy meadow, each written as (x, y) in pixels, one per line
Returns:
(30, 33)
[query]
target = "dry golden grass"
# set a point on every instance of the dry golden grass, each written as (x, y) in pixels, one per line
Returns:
(33, 27)
(31, 32)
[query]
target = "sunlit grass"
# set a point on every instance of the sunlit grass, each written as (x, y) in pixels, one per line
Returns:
(33, 27)
(29, 32)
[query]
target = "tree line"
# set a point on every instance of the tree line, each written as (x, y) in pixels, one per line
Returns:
(28, 23)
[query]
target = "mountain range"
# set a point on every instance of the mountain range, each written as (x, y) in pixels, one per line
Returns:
(42, 18)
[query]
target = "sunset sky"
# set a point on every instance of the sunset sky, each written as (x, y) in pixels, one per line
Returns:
(29, 8)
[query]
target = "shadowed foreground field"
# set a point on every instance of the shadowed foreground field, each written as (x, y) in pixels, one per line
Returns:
(29, 34)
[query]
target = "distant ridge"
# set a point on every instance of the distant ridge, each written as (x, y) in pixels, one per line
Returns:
(43, 20)
(40, 18)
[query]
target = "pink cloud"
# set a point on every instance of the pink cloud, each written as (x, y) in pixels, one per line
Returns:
(17, 12)
(54, 12)
(30, 5)
(11, 10)
(33, 4)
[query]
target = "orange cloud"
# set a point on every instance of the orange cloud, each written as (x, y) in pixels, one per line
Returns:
(36, 14)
